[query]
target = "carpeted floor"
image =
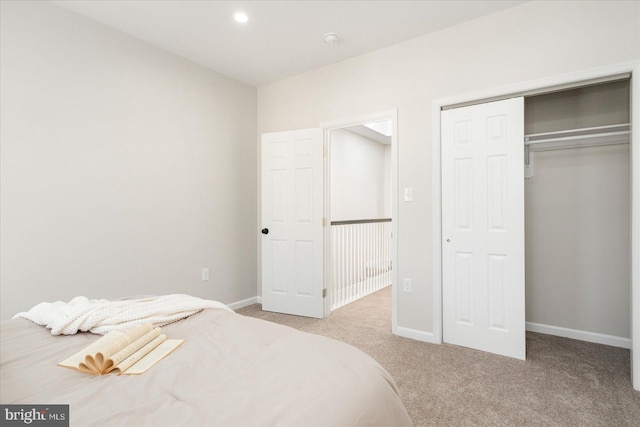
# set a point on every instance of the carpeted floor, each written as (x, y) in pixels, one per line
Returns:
(563, 382)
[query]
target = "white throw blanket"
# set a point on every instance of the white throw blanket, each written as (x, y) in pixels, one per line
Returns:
(101, 316)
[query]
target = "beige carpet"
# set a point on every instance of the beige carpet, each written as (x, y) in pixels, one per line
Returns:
(563, 382)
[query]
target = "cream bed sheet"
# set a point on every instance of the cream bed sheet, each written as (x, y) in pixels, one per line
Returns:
(231, 371)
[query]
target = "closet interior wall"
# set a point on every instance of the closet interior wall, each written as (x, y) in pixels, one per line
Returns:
(577, 216)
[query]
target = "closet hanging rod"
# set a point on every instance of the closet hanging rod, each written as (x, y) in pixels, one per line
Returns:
(589, 130)
(575, 138)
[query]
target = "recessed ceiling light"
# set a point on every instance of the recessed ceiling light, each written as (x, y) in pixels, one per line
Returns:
(241, 17)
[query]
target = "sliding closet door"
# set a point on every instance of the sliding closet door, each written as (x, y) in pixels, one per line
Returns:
(483, 227)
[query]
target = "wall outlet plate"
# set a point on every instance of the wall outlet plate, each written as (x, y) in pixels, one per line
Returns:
(406, 285)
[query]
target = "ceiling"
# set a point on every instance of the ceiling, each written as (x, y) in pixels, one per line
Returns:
(281, 38)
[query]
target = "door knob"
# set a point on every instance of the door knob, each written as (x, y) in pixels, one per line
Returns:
(265, 231)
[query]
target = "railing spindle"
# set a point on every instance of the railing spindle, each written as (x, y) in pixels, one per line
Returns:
(361, 259)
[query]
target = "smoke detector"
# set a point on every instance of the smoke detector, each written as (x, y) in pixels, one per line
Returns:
(331, 38)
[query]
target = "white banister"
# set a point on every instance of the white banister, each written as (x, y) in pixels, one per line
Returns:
(361, 253)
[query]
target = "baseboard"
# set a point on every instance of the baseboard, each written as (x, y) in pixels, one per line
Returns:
(415, 334)
(575, 334)
(245, 302)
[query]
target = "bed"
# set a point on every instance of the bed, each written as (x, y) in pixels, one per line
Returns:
(232, 370)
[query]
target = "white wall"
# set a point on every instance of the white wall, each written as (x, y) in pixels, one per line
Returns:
(358, 174)
(526, 42)
(125, 169)
(577, 240)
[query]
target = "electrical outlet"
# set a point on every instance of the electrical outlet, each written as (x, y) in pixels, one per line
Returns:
(205, 274)
(406, 285)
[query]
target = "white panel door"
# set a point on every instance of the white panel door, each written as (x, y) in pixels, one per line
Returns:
(483, 227)
(292, 234)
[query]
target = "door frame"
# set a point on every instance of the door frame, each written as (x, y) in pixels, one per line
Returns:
(546, 85)
(327, 127)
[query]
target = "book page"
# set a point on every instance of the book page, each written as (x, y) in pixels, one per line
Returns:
(76, 359)
(153, 357)
(113, 361)
(108, 344)
(119, 341)
(142, 352)
(139, 354)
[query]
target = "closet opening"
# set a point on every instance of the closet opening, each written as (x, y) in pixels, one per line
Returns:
(578, 213)
(604, 99)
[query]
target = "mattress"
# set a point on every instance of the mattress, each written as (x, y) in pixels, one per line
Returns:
(232, 370)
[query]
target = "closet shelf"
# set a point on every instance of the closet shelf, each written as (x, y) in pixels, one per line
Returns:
(576, 138)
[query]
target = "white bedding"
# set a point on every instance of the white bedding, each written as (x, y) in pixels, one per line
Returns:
(101, 316)
(231, 371)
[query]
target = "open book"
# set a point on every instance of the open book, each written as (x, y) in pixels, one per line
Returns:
(130, 353)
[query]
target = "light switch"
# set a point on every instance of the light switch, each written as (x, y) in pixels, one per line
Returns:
(408, 194)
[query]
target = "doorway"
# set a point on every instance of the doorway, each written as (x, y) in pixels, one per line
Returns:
(295, 226)
(360, 185)
(359, 214)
